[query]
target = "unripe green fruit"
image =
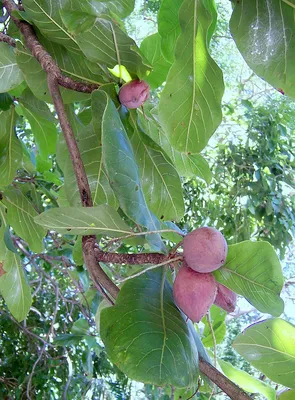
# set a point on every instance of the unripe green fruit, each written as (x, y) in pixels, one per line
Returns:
(194, 293)
(225, 298)
(204, 249)
(133, 94)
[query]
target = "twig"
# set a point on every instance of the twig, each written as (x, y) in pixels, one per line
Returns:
(226, 385)
(150, 268)
(46, 61)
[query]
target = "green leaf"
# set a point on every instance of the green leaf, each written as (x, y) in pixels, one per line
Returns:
(103, 220)
(151, 48)
(13, 285)
(265, 37)
(123, 173)
(80, 327)
(269, 347)
(146, 335)
(78, 252)
(253, 270)
(104, 42)
(68, 339)
(89, 142)
(35, 106)
(246, 381)
(217, 317)
(190, 104)
(5, 101)
(45, 14)
(188, 165)
(44, 131)
(10, 74)
(160, 182)
(169, 28)
(97, 7)
(288, 395)
(10, 148)
(36, 79)
(20, 215)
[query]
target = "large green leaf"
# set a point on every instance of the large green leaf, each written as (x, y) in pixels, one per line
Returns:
(253, 270)
(45, 14)
(146, 335)
(288, 395)
(102, 220)
(217, 318)
(89, 142)
(10, 74)
(269, 347)
(123, 173)
(160, 182)
(265, 37)
(13, 285)
(188, 165)
(151, 48)
(246, 381)
(10, 148)
(98, 7)
(104, 42)
(20, 215)
(30, 102)
(36, 78)
(190, 104)
(169, 27)
(44, 131)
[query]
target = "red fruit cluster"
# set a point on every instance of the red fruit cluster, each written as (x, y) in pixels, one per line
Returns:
(195, 288)
(133, 94)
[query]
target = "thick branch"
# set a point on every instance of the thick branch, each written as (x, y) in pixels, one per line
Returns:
(226, 385)
(47, 62)
(7, 39)
(132, 259)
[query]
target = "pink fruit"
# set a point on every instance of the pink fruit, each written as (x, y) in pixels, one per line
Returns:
(194, 293)
(204, 249)
(133, 94)
(225, 298)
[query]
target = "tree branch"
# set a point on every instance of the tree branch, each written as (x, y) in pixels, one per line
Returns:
(46, 61)
(7, 39)
(226, 385)
(132, 259)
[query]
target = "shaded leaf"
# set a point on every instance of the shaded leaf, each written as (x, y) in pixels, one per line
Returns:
(265, 37)
(253, 270)
(269, 347)
(288, 395)
(6, 101)
(190, 104)
(169, 27)
(188, 165)
(10, 74)
(146, 335)
(104, 42)
(122, 171)
(97, 7)
(13, 285)
(151, 48)
(36, 79)
(45, 14)
(10, 148)
(102, 220)
(160, 182)
(20, 215)
(217, 317)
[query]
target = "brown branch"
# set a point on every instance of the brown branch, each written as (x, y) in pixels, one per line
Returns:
(132, 259)
(226, 385)
(7, 39)
(44, 58)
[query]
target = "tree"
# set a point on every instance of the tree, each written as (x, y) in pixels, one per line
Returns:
(92, 200)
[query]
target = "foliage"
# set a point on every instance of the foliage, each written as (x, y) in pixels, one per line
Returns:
(88, 188)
